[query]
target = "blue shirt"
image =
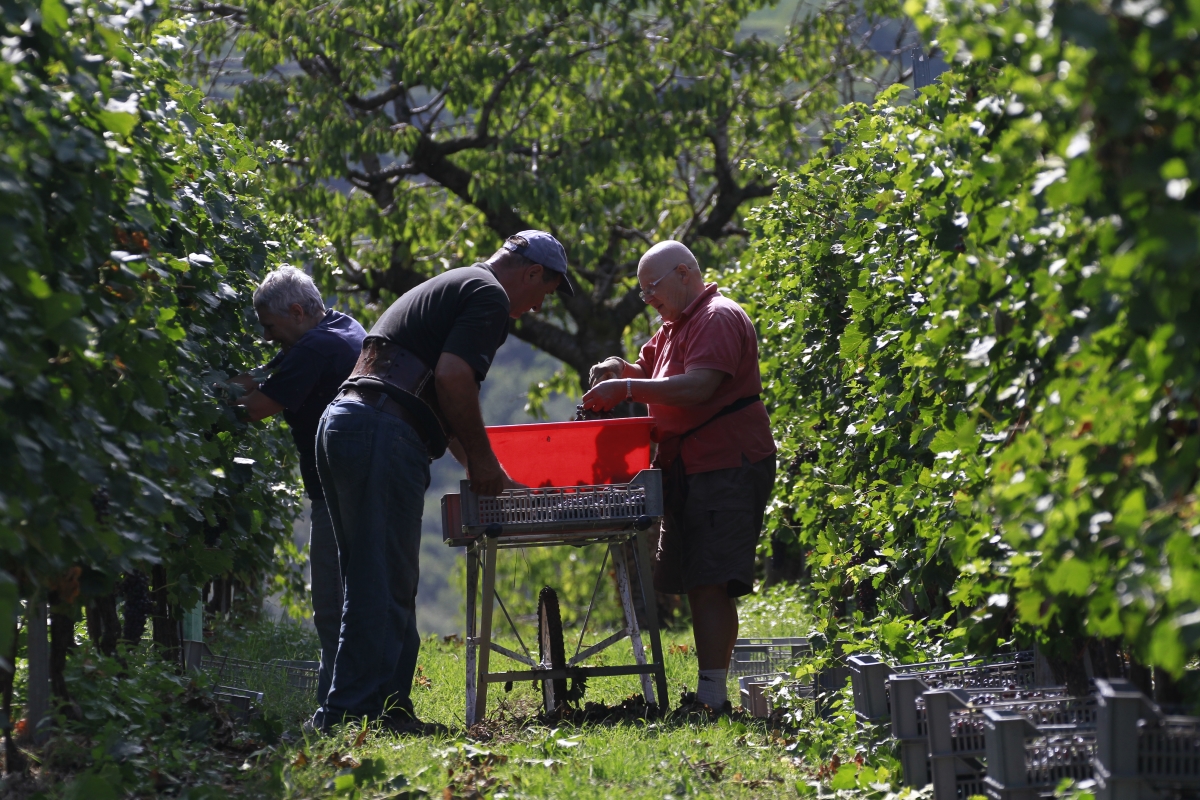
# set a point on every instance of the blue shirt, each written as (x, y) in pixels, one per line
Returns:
(306, 379)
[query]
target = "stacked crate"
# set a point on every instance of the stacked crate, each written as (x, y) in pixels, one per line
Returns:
(884, 692)
(957, 726)
(758, 662)
(1133, 751)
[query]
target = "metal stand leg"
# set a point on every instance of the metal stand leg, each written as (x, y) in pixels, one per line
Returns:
(485, 628)
(38, 694)
(635, 635)
(646, 579)
(472, 646)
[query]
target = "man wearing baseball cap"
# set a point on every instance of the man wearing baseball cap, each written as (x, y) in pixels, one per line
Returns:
(413, 394)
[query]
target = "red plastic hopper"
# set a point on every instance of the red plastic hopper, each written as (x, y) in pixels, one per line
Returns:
(573, 453)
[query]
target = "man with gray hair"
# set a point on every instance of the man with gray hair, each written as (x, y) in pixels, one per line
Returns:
(699, 375)
(318, 350)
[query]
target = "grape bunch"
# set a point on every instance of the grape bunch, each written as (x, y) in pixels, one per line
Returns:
(134, 587)
(100, 504)
(584, 415)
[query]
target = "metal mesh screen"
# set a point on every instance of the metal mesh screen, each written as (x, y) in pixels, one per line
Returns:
(574, 504)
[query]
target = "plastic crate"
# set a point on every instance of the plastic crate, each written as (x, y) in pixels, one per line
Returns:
(754, 695)
(1143, 754)
(552, 510)
(244, 700)
(762, 656)
(868, 684)
(1025, 763)
(289, 675)
(871, 676)
(957, 733)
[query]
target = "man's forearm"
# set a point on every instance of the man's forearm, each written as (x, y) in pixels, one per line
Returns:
(460, 407)
(633, 371)
(458, 396)
(690, 389)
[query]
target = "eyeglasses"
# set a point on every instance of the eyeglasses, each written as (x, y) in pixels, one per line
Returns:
(649, 291)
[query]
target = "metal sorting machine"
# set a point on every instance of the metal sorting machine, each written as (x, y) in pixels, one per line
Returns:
(619, 516)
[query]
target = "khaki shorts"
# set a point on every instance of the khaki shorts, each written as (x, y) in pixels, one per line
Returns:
(715, 539)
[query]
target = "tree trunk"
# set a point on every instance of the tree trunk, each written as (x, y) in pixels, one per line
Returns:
(786, 564)
(1140, 677)
(1068, 666)
(103, 624)
(1167, 691)
(166, 623)
(62, 641)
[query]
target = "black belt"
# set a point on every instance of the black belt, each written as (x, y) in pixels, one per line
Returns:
(384, 403)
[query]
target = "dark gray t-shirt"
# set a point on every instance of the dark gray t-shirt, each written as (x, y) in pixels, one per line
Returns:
(463, 311)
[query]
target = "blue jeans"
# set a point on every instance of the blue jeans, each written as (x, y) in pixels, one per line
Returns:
(374, 471)
(325, 577)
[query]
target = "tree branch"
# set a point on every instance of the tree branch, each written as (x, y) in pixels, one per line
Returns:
(553, 340)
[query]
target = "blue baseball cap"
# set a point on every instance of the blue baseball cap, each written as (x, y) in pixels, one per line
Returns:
(542, 248)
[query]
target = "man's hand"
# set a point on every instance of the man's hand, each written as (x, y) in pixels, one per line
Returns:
(605, 396)
(606, 370)
(245, 380)
(258, 406)
(487, 476)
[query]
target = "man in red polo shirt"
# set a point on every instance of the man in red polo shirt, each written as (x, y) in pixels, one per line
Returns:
(699, 376)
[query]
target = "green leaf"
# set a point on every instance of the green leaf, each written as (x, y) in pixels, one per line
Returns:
(1072, 577)
(1175, 168)
(892, 633)
(119, 122)
(35, 284)
(89, 786)
(54, 17)
(59, 307)
(845, 778)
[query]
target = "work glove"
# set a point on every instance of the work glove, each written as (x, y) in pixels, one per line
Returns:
(608, 369)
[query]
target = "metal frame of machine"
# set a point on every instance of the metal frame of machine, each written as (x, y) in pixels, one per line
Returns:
(612, 515)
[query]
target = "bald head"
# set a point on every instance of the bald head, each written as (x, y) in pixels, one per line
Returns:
(670, 278)
(665, 256)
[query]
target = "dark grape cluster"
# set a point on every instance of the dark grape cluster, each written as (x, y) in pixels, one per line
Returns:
(134, 588)
(100, 503)
(584, 415)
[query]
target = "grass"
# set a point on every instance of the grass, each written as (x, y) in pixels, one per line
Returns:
(516, 754)
(146, 731)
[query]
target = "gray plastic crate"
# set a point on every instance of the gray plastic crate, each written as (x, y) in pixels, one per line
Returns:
(764, 655)
(755, 696)
(957, 733)
(883, 691)
(868, 683)
(1026, 763)
(292, 676)
(1143, 754)
(244, 700)
(871, 677)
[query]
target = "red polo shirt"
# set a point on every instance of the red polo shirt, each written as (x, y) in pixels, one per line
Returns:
(712, 333)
